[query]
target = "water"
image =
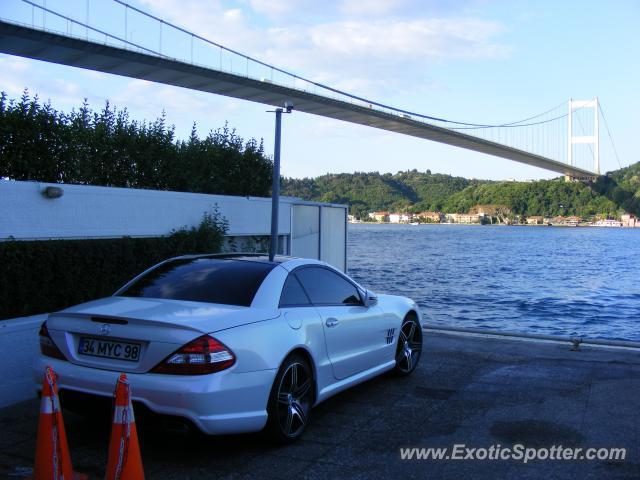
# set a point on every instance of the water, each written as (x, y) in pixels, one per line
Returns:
(560, 281)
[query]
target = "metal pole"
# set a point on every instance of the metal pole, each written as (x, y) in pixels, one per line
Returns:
(596, 136)
(275, 188)
(570, 140)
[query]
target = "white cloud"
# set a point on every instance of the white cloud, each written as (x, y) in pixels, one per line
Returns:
(137, 93)
(93, 75)
(371, 7)
(147, 100)
(416, 40)
(210, 20)
(370, 55)
(14, 64)
(68, 88)
(144, 100)
(274, 8)
(18, 74)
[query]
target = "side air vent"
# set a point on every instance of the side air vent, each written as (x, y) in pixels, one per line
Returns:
(390, 333)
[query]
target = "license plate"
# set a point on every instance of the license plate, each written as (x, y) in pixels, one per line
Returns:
(96, 347)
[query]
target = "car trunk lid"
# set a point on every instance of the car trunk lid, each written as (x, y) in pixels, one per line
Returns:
(135, 334)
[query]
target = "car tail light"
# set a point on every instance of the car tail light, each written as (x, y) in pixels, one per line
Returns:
(199, 357)
(48, 347)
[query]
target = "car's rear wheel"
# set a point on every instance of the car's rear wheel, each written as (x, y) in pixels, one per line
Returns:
(291, 399)
(409, 347)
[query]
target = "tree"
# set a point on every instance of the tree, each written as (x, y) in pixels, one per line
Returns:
(108, 148)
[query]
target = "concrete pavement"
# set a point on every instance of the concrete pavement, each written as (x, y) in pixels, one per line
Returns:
(472, 390)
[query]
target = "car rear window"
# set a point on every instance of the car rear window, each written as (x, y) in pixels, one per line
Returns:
(225, 281)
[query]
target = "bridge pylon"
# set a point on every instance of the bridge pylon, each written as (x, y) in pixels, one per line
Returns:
(584, 139)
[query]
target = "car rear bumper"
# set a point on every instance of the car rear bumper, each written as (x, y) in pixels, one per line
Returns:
(220, 403)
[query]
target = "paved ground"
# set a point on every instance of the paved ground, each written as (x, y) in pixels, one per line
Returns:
(477, 391)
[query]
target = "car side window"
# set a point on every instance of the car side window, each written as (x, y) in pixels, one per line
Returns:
(328, 288)
(293, 294)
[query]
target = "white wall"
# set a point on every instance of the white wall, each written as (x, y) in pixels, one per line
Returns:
(320, 231)
(333, 237)
(305, 238)
(87, 212)
(102, 212)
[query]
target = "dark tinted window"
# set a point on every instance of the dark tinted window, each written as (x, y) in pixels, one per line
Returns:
(230, 282)
(292, 293)
(327, 287)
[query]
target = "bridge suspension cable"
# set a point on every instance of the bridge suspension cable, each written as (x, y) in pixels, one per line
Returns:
(247, 57)
(613, 145)
(540, 139)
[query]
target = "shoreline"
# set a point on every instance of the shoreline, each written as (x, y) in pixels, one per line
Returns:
(495, 225)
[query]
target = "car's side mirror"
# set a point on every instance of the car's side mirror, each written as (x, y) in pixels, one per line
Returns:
(370, 298)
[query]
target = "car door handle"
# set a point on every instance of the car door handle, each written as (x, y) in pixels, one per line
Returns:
(331, 322)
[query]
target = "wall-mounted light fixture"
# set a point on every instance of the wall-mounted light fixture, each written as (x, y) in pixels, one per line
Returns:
(53, 192)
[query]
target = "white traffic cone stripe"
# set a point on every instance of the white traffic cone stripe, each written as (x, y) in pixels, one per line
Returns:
(123, 415)
(49, 405)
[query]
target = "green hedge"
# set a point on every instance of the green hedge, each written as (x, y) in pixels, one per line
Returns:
(107, 147)
(45, 276)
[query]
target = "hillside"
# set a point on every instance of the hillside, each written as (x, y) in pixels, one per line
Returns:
(611, 195)
(366, 192)
(545, 197)
(622, 187)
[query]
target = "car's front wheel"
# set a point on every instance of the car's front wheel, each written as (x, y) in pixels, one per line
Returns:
(409, 347)
(291, 399)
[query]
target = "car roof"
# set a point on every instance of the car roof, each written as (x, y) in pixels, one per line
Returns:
(287, 262)
(243, 256)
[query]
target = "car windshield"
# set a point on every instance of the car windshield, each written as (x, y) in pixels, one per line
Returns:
(210, 280)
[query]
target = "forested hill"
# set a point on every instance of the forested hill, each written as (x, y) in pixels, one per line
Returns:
(414, 191)
(622, 187)
(366, 192)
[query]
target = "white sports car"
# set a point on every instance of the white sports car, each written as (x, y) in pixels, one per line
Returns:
(232, 343)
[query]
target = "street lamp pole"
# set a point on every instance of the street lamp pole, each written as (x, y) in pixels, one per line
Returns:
(275, 187)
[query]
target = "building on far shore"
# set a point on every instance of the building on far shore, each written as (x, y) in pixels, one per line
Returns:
(608, 222)
(432, 217)
(379, 216)
(487, 213)
(465, 217)
(629, 220)
(560, 221)
(400, 217)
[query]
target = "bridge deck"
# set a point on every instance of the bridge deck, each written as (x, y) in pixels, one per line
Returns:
(40, 45)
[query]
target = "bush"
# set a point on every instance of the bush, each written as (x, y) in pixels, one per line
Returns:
(108, 148)
(48, 275)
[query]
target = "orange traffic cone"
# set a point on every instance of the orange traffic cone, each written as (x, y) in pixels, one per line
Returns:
(53, 460)
(125, 462)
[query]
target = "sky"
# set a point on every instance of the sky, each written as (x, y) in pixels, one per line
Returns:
(478, 61)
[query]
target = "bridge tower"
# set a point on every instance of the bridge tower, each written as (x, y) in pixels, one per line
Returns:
(585, 139)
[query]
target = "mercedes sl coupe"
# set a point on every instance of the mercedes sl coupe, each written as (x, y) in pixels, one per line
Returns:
(232, 343)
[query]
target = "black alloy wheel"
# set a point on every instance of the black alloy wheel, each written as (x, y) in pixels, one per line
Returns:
(409, 346)
(291, 400)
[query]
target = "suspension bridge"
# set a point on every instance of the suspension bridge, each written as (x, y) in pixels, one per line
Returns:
(105, 37)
